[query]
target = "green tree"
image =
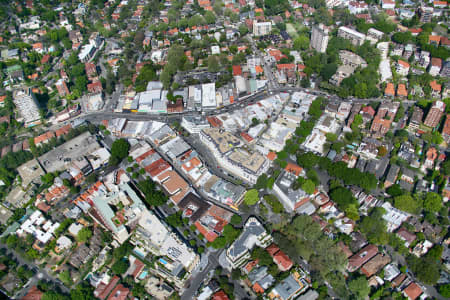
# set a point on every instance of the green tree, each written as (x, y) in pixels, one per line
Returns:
(219, 243)
(308, 186)
(331, 137)
(301, 42)
(213, 64)
(120, 266)
(236, 219)
(210, 18)
(352, 212)
(407, 203)
(52, 295)
(251, 197)
(82, 291)
(433, 202)
(174, 220)
(359, 287)
(374, 227)
(65, 277)
(263, 257)
(425, 269)
(84, 235)
(230, 233)
(343, 197)
(119, 150)
(444, 290)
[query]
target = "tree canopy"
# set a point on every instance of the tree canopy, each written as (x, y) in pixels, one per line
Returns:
(407, 203)
(251, 197)
(119, 150)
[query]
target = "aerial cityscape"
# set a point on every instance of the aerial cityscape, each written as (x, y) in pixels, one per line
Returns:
(224, 149)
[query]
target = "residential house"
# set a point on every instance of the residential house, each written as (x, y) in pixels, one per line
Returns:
(435, 66)
(361, 257)
(435, 89)
(416, 119)
(413, 291)
(391, 176)
(402, 67)
(406, 236)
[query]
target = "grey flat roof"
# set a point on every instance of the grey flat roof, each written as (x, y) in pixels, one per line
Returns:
(59, 158)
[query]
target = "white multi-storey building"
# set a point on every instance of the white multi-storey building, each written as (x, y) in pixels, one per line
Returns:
(319, 38)
(261, 28)
(355, 37)
(253, 234)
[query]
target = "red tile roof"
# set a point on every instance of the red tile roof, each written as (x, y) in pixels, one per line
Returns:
(246, 137)
(401, 90)
(63, 130)
(220, 295)
(285, 67)
(95, 87)
(45, 59)
(283, 261)
(43, 137)
(293, 168)
(272, 249)
(102, 291)
(237, 70)
(214, 121)
(403, 63)
(271, 155)
(413, 291)
(357, 260)
(389, 90)
(138, 269)
(33, 294)
(119, 293)
(368, 109)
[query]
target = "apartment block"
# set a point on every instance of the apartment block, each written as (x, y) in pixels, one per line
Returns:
(355, 37)
(435, 114)
(319, 38)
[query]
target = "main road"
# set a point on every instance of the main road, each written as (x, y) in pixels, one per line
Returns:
(194, 284)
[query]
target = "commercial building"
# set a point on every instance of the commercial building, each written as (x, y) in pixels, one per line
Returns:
(230, 154)
(194, 124)
(261, 28)
(63, 156)
(253, 234)
(435, 114)
(209, 96)
(351, 59)
(355, 37)
(319, 38)
(27, 105)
